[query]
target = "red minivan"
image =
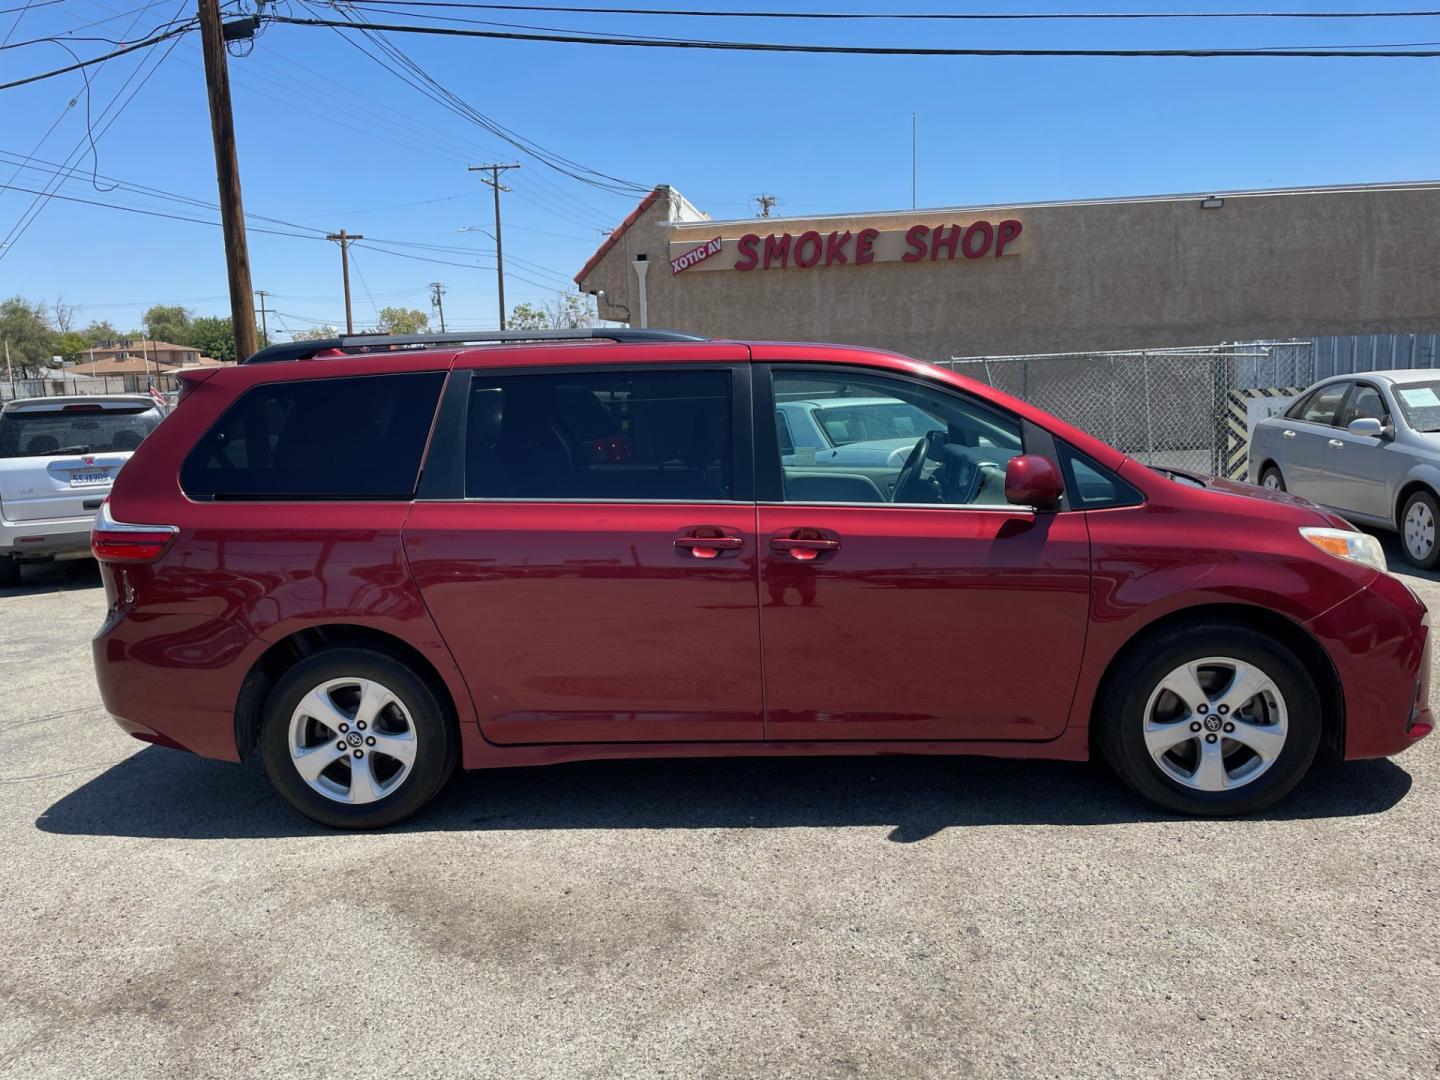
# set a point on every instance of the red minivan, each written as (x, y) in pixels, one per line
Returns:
(378, 559)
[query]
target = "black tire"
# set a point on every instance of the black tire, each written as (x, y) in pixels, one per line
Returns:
(1425, 560)
(1121, 717)
(1272, 471)
(9, 572)
(437, 749)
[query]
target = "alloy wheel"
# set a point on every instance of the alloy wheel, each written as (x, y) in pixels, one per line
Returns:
(352, 740)
(1419, 530)
(1215, 724)
(1271, 481)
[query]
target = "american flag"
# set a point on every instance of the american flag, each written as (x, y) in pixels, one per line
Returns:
(156, 394)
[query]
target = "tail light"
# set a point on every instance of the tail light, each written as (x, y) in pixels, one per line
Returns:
(120, 541)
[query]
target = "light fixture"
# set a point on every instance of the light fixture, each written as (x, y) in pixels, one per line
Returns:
(1211, 202)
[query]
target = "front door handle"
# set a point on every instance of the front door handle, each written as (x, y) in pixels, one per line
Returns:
(706, 542)
(1288, 434)
(1336, 443)
(804, 548)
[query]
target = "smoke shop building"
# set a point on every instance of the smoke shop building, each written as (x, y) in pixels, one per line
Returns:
(1129, 273)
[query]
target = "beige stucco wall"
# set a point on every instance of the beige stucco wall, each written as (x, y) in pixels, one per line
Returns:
(1114, 274)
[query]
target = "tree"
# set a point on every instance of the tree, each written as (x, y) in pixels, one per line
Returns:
(212, 335)
(165, 322)
(569, 311)
(316, 333)
(26, 333)
(394, 320)
(528, 317)
(97, 333)
(70, 346)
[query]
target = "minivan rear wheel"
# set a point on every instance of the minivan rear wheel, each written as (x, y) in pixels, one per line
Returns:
(354, 739)
(1210, 719)
(9, 571)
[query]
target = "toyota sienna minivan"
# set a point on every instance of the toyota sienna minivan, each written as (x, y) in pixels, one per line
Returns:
(376, 560)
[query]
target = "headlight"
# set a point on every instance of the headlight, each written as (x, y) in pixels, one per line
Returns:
(1355, 546)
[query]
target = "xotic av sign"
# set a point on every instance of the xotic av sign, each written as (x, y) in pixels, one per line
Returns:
(843, 247)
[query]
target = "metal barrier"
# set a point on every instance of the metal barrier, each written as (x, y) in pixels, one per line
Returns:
(1160, 406)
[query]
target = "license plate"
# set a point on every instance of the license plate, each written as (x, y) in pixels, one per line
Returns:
(89, 479)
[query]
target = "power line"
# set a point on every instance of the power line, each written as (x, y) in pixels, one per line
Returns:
(91, 61)
(976, 16)
(855, 50)
(419, 79)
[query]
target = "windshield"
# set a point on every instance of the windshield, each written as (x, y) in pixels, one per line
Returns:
(1420, 402)
(845, 424)
(44, 433)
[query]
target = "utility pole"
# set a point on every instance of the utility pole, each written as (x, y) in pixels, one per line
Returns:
(264, 325)
(766, 203)
(227, 175)
(437, 299)
(345, 239)
(494, 182)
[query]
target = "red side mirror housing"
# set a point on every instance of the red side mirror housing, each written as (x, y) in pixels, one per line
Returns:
(1033, 480)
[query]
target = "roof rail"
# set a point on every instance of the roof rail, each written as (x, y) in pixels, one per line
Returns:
(304, 350)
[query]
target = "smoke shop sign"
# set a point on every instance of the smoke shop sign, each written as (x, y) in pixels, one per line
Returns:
(967, 241)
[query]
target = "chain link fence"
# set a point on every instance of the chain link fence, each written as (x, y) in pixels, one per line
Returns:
(11, 389)
(1173, 407)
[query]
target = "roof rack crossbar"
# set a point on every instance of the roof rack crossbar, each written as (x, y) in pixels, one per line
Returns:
(304, 350)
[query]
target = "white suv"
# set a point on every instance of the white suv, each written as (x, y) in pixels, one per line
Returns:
(58, 458)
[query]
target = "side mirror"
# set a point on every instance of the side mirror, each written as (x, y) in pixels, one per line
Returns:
(1367, 426)
(1032, 480)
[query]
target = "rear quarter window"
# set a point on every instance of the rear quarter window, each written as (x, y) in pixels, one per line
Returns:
(345, 438)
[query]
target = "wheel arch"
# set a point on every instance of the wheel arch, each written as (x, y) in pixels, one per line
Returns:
(289, 650)
(1291, 634)
(1409, 487)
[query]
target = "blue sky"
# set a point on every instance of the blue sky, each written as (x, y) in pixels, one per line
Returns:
(329, 139)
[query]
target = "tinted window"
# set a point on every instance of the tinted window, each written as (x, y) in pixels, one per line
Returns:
(356, 438)
(1091, 486)
(882, 424)
(79, 429)
(1365, 404)
(1321, 406)
(635, 436)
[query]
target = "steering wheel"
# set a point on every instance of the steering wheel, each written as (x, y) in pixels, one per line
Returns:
(911, 470)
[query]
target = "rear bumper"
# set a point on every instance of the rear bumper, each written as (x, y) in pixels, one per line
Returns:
(55, 536)
(1379, 641)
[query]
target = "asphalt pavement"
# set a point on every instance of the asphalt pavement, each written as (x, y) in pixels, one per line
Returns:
(166, 916)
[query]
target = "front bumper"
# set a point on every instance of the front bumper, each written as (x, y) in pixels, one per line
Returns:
(1379, 641)
(47, 538)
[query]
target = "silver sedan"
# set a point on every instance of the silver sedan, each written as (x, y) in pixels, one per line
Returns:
(1366, 446)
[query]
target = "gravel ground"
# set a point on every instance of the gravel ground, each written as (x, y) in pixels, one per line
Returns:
(168, 917)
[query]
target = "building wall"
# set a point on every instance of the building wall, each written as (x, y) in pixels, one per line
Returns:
(1099, 275)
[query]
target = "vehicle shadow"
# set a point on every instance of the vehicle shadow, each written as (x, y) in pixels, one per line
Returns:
(166, 793)
(61, 576)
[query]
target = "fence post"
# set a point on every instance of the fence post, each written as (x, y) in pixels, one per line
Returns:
(1149, 419)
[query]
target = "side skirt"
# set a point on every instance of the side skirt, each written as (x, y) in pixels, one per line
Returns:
(1072, 745)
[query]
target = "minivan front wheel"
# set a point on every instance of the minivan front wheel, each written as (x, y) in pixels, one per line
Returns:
(1211, 719)
(1272, 479)
(352, 738)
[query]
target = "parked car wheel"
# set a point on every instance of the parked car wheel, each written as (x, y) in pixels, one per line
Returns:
(1271, 477)
(354, 739)
(1211, 719)
(1417, 529)
(9, 571)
